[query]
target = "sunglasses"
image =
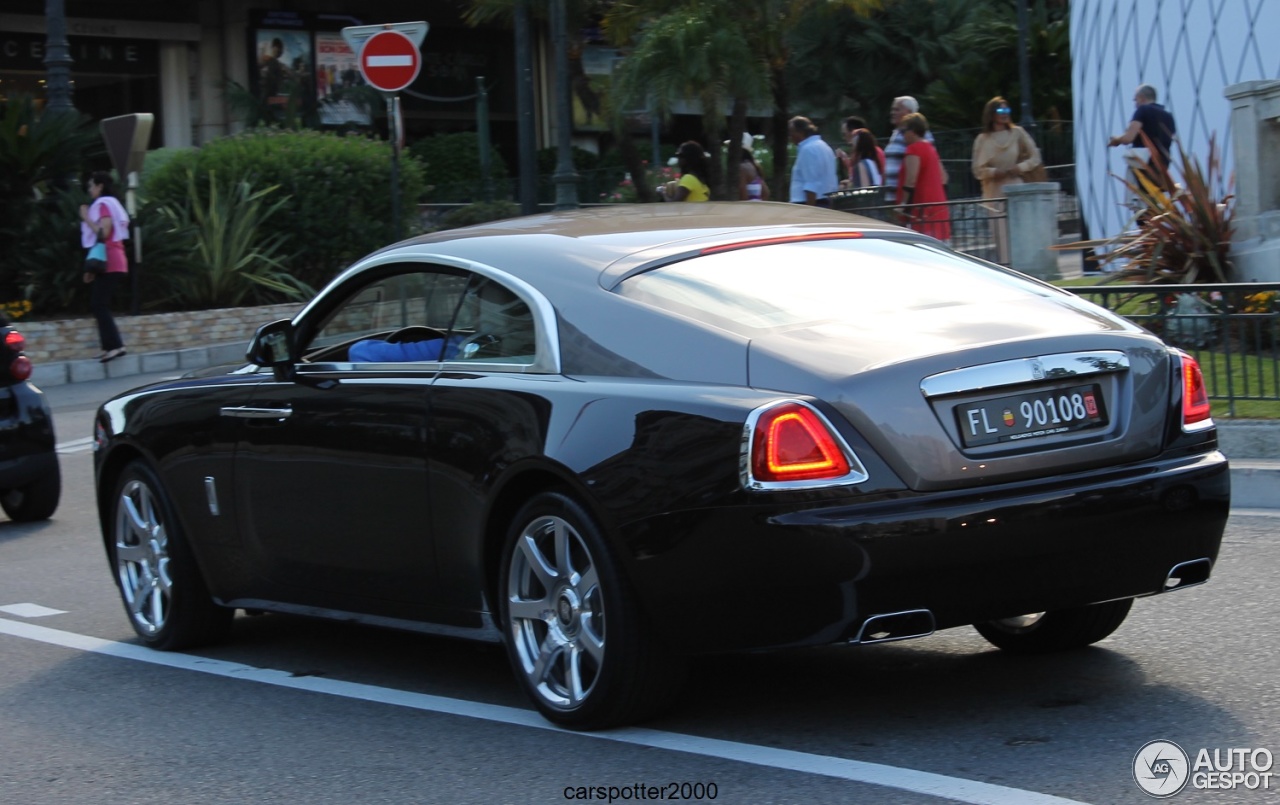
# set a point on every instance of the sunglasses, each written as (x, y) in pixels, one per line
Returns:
(1002, 110)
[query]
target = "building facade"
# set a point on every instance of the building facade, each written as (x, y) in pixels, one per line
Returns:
(1190, 51)
(205, 67)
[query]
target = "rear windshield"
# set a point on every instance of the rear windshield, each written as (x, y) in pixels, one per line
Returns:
(792, 284)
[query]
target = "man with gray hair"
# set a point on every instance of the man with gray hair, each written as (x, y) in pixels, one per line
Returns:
(897, 147)
(1154, 120)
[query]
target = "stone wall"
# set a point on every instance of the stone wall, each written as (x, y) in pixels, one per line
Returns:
(77, 339)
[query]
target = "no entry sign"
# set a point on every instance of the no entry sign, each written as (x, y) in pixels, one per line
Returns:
(390, 61)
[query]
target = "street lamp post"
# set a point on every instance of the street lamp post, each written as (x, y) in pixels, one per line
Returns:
(565, 178)
(1024, 66)
(57, 58)
(525, 136)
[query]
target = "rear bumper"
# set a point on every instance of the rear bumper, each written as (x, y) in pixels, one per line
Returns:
(27, 444)
(757, 577)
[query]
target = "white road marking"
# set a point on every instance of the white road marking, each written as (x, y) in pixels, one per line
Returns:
(75, 445)
(31, 610)
(920, 782)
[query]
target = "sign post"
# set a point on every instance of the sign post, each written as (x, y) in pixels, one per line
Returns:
(390, 60)
(126, 138)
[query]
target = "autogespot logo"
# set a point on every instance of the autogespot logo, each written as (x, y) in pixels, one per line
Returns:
(1160, 768)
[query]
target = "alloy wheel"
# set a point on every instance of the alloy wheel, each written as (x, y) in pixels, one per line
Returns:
(556, 612)
(142, 558)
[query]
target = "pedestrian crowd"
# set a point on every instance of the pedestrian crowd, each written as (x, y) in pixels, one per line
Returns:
(907, 173)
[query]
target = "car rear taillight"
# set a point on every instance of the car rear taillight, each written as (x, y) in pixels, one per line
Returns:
(20, 369)
(1195, 397)
(792, 445)
(14, 341)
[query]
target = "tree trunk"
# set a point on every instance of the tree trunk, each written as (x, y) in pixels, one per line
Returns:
(733, 165)
(780, 187)
(716, 166)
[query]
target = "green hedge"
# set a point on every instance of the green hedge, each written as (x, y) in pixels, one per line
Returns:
(452, 163)
(338, 189)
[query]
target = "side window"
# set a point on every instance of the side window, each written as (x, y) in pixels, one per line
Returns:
(423, 301)
(496, 325)
(427, 316)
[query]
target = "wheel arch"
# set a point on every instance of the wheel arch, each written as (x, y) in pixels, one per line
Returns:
(108, 475)
(518, 486)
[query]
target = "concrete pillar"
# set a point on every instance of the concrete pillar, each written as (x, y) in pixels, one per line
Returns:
(1033, 228)
(1255, 137)
(175, 95)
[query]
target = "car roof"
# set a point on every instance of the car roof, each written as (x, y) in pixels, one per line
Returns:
(611, 241)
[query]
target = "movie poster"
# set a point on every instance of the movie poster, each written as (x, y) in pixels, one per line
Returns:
(337, 73)
(284, 69)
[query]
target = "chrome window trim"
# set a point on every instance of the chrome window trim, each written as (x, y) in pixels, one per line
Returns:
(1024, 370)
(546, 328)
(857, 471)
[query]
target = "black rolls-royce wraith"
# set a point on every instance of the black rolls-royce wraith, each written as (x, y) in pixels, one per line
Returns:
(615, 438)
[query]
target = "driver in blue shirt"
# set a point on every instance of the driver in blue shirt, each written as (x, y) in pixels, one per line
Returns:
(375, 350)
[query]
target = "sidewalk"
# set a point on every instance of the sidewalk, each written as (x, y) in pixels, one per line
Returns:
(1252, 445)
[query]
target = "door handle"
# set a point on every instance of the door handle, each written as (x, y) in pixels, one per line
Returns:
(249, 412)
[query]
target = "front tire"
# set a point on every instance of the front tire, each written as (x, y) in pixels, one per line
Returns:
(37, 500)
(163, 591)
(1056, 631)
(575, 635)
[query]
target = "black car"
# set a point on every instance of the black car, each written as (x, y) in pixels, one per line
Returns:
(615, 438)
(30, 481)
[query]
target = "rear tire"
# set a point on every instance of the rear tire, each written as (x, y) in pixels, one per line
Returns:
(575, 635)
(1056, 631)
(163, 591)
(37, 500)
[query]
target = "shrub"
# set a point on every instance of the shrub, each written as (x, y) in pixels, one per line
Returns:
(583, 160)
(452, 164)
(49, 260)
(338, 188)
(1181, 237)
(230, 260)
(479, 213)
(39, 155)
(625, 191)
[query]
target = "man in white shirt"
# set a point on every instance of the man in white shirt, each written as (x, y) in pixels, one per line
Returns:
(814, 175)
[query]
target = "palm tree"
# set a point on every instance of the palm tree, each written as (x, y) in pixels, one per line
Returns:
(697, 52)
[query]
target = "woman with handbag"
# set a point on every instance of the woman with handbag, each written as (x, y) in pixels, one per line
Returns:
(1003, 154)
(104, 226)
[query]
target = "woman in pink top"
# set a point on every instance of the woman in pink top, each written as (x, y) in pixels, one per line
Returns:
(104, 219)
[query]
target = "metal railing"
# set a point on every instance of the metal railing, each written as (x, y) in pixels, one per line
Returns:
(972, 225)
(1232, 330)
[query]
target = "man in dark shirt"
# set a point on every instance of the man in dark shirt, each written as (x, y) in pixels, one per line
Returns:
(1154, 120)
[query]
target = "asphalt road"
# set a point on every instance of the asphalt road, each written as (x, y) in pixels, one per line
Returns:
(299, 711)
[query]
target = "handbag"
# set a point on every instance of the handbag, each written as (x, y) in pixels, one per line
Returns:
(96, 261)
(1026, 148)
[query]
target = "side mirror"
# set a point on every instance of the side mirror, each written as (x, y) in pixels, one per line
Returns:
(272, 347)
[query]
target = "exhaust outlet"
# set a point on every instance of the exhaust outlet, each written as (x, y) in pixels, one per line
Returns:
(896, 626)
(1188, 574)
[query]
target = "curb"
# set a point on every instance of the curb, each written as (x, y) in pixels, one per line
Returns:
(58, 373)
(1255, 483)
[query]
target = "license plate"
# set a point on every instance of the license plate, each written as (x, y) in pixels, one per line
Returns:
(1030, 415)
